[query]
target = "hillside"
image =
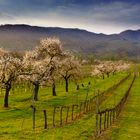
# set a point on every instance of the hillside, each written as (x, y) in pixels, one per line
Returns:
(25, 37)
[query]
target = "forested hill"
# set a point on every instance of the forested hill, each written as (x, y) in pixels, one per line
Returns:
(25, 37)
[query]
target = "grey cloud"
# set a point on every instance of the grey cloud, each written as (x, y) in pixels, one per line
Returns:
(118, 12)
(122, 14)
(4, 15)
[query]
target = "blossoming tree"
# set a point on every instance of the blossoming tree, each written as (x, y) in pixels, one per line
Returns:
(69, 67)
(10, 69)
(39, 64)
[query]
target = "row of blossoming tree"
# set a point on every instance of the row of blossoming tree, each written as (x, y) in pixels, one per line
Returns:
(44, 64)
(102, 68)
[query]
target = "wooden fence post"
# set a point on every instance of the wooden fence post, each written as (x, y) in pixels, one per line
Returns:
(85, 106)
(110, 116)
(72, 112)
(96, 124)
(76, 111)
(91, 103)
(54, 116)
(45, 119)
(117, 111)
(100, 122)
(67, 114)
(80, 110)
(113, 114)
(61, 115)
(105, 120)
(97, 112)
(34, 117)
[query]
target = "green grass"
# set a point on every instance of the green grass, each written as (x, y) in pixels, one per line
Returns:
(128, 125)
(16, 121)
(116, 95)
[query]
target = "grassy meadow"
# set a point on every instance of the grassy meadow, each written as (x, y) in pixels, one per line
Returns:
(128, 124)
(16, 121)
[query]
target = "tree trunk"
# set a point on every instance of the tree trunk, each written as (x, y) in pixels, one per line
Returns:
(53, 89)
(103, 76)
(66, 80)
(36, 89)
(8, 87)
(77, 87)
(108, 75)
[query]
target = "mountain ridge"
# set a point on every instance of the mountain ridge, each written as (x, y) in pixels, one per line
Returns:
(25, 37)
(41, 27)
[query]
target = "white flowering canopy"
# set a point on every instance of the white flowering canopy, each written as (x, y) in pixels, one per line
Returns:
(40, 62)
(50, 46)
(10, 67)
(69, 66)
(105, 67)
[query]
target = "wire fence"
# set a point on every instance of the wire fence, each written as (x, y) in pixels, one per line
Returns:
(65, 114)
(105, 118)
(62, 115)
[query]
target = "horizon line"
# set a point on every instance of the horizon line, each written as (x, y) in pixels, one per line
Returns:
(82, 29)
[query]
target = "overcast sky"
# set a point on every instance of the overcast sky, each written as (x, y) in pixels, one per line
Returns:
(100, 16)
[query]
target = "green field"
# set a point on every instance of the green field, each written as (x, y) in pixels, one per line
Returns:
(128, 125)
(16, 121)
